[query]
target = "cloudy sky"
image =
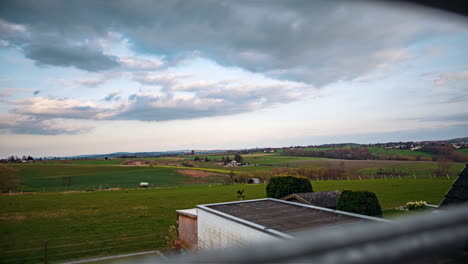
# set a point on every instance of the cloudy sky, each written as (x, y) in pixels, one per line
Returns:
(81, 77)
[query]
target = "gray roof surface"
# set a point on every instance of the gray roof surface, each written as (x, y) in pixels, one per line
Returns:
(327, 199)
(283, 216)
(458, 193)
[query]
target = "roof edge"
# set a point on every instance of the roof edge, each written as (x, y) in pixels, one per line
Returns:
(243, 221)
(372, 218)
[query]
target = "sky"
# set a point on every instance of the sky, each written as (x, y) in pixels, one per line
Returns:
(92, 77)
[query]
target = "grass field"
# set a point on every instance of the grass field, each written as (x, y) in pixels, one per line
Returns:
(40, 177)
(85, 224)
(376, 151)
(50, 177)
(463, 151)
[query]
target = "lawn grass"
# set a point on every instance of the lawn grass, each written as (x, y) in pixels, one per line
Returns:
(88, 224)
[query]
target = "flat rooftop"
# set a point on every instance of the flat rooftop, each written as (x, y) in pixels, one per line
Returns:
(284, 216)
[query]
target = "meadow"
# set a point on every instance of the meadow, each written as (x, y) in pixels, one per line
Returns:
(100, 174)
(90, 220)
(89, 224)
(54, 177)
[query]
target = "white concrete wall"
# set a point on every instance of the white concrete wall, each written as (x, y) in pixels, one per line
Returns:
(218, 232)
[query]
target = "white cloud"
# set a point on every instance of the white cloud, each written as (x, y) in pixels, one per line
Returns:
(55, 108)
(160, 79)
(4, 92)
(93, 82)
(134, 63)
(450, 77)
(23, 124)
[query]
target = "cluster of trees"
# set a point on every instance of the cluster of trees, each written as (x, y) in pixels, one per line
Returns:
(16, 159)
(237, 158)
(281, 186)
(197, 158)
(440, 152)
(444, 153)
(360, 202)
(314, 173)
(402, 157)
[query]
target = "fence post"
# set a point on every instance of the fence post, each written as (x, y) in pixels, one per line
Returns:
(45, 252)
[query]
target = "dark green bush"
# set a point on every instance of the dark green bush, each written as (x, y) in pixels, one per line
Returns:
(280, 186)
(359, 202)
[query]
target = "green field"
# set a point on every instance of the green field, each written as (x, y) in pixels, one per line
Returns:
(53, 177)
(376, 151)
(48, 177)
(463, 151)
(86, 224)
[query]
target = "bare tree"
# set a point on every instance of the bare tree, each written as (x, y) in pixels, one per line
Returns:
(443, 168)
(67, 181)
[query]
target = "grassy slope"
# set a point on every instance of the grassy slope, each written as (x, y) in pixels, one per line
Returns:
(136, 220)
(376, 151)
(463, 151)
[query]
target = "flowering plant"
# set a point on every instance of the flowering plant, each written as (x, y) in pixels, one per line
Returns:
(415, 205)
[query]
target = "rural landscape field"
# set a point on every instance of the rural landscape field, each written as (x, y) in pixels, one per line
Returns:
(94, 207)
(164, 128)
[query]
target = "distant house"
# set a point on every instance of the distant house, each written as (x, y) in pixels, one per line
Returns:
(253, 181)
(233, 164)
(144, 184)
(458, 193)
(322, 199)
(225, 225)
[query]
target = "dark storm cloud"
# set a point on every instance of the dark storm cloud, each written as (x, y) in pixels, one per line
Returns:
(310, 41)
(85, 58)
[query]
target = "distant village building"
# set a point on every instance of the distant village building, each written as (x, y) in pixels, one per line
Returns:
(233, 164)
(144, 184)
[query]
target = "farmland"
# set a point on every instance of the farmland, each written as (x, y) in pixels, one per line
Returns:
(165, 172)
(85, 224)
(102, 212)
(48, 177)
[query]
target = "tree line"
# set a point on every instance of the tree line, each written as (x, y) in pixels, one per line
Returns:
(440, 153)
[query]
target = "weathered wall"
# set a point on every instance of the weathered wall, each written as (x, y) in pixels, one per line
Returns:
(218, 232)
(188, 230)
